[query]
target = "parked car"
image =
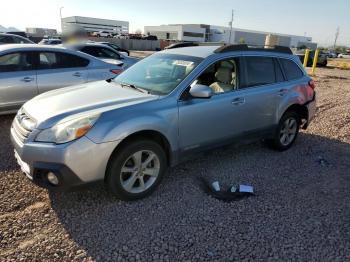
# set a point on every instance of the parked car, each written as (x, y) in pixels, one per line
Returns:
(321, 61)
(104, 52)
(29, 70)
(170, 105)
(344, 55)
(13, 39)
(149, 37)
(117, 48)
(53, 41)
(102, 34)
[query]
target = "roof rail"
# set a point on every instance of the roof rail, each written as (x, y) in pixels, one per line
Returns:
(244, 47)
(187, 44)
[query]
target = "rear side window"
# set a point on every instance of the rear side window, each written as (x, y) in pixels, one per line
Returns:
(259, 71)
(100, 52)
(291, 69)
(54, 60)
(21, 61)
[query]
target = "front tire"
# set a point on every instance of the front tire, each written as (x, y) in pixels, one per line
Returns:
(286, 132)
(136, 169)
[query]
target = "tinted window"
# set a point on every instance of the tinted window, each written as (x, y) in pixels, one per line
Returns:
(16, 62)
(100, 52)
(291, 69)
(260, 71)
(20, 40)
(53, 60)
(4, 39)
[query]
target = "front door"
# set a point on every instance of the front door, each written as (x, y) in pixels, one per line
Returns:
(207, 122)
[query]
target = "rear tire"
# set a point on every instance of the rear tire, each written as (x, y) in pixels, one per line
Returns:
(136, 169)
(286, 132)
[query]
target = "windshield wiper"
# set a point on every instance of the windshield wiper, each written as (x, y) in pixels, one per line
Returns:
(135, 87)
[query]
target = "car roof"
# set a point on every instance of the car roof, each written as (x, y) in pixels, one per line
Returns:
(29, 47)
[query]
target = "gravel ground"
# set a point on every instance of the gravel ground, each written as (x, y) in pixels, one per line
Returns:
(301, 211)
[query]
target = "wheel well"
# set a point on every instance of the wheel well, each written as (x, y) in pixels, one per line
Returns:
(301, 110)
(150, 135)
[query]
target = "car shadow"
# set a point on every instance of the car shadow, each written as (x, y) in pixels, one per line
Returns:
(8, 162)
(179, 217)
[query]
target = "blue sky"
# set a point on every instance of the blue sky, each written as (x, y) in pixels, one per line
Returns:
(318, 19)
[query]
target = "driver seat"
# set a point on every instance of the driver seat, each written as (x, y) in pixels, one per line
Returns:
(224, 80)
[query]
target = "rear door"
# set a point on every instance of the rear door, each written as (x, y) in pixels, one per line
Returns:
(59, 69)
(261, 89)
(18, 82)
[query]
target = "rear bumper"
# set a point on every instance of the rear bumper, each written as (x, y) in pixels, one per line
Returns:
(311, 107)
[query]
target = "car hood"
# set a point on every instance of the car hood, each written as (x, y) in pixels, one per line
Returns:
(71, 102)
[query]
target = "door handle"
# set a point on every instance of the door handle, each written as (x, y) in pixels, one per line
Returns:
(238, 101)
(27, 79)
(77, 74)
(282, 92)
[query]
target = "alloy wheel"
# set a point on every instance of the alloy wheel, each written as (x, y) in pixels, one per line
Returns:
(288, 131)
(140, 171)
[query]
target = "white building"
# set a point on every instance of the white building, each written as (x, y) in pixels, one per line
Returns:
(253, 37)
(90, 24)
(191, 33)
(212, 33)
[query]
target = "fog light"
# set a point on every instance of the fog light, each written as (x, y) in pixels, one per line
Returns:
(53, 179)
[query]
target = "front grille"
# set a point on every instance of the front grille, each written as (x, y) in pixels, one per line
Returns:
(23, 126)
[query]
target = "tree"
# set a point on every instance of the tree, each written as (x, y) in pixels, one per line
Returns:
(138, 31)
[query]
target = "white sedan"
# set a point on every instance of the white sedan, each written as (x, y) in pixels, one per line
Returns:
(344, 55)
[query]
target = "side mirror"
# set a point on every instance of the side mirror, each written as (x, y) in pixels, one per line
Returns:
(201, 91)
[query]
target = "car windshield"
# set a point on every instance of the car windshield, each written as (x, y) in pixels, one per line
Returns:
(160, 73)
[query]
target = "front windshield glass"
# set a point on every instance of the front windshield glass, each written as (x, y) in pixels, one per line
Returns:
(160, 73)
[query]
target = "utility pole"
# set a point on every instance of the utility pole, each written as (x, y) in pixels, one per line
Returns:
(336, 37)
(231, 23)
(61, 18)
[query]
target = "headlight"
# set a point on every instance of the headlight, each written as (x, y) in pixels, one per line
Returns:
(67, 131)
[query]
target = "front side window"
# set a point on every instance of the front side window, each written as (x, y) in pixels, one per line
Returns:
(21, 61)
(291, 69)
(259, 71)
(160, 73)
(221, 77)
(54, 60)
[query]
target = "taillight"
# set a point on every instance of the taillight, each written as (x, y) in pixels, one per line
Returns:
(312, 84)
(116, 71)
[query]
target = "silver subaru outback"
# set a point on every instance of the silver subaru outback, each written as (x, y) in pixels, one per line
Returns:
(160, 111)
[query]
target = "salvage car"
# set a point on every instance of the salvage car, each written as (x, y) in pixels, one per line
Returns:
(28, 70)
(162, 110)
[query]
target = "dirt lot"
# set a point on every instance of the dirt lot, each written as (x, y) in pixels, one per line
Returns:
(301, 211)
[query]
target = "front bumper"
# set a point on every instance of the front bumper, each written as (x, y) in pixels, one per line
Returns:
(75, 163)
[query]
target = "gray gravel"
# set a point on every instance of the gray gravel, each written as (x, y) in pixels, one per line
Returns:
(301, 211)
